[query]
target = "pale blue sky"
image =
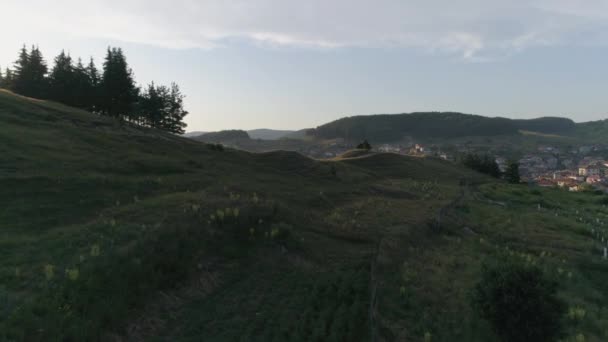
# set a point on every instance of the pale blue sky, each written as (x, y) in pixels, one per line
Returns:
(295, 64)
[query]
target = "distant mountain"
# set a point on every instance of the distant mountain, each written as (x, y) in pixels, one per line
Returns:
(224, 137)
(262, 133)
(390, 128)
(268, 134)
(300, 134)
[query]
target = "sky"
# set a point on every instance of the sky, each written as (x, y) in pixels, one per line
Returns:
(288, 64)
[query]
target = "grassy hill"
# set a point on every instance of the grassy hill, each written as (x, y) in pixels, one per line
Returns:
(117, 233)
(391, 128)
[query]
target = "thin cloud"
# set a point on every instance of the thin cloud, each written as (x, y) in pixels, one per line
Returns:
(474, 30)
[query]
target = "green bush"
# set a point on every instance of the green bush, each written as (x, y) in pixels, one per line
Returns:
(519, 301)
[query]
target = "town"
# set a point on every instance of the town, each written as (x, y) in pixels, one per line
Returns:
(574, 169)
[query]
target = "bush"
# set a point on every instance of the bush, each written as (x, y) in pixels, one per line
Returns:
(519, 301)
(484, 164)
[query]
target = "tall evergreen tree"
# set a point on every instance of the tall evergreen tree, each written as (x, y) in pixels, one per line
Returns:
(81, 86)
(152, 106)
(62, 79)
(8, 79)
(30, 71)
(174, 122)
(21, 72)
(118, 93)
(92, 96)
(1, 78)
(163, 108)
(38, 86)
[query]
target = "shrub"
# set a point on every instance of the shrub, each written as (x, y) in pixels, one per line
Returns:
(484, 164)
(519, 301)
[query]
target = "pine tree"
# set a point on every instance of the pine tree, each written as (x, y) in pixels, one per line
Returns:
(162, 107)
(512, 173)
(152, 105)
(117, 88)
(30, 71)
(174, 121)
(21, 72)
(38, 86)
(8, 79)
(81, 86)
(92, 96)
(62, 79)
(1, 79)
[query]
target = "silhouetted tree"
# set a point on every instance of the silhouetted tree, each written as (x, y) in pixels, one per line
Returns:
(152, 105)
(38, 86)
(29, 76)
(81, 86)
(174, 119)
(512, 173)
(7, 81)
(162, 107)
(61, 80)
(92, 94)
(118, 93)
(21, 72)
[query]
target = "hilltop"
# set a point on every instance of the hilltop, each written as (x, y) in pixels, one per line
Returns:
(112, 231)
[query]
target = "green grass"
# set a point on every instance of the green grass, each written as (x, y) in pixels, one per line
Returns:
(111, 231)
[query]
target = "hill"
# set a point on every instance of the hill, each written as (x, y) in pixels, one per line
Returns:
(116, 232)
(269, 134)
(262, 134)
(392, 128)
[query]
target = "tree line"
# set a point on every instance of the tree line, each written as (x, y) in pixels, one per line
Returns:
(111, 91)
(486, 164)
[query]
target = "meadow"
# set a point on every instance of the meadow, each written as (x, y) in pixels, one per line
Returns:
(113, 232)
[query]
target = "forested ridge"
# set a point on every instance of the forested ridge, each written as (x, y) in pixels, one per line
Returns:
(111, 91)
(389, 128)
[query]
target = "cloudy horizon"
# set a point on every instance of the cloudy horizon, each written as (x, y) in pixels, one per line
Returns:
(297, 64)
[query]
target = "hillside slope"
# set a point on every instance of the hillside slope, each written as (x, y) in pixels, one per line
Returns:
(116, 233)
(593, 131)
